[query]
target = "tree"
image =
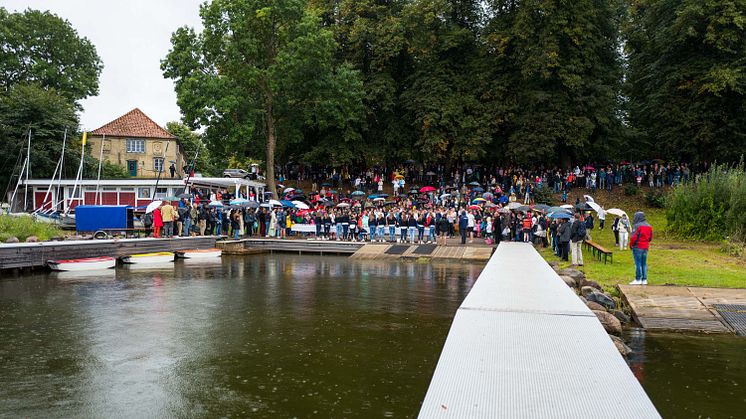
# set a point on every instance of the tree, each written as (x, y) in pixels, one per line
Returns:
(262, 69)
(193, 146)
(41, 48)
(686, 80)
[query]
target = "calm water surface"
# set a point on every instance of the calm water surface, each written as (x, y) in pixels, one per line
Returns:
(263, 336)
(280, 336)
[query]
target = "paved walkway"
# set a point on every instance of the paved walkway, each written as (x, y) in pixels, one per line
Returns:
(523, 345)
(682, 308)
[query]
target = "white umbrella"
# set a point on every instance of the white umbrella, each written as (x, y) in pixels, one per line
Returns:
(300, 205)
(568, 206)
(445, 195)
(343, 205)
(514, 205)
(379, 199)
(288, 190)
(152, 206)
(588, 198)
(275, 203)
(215, 204)
(616, 211)
(594, 205)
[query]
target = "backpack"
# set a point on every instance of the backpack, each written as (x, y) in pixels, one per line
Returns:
(147, 220)
(581, 229)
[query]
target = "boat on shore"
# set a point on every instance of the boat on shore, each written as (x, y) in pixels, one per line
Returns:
(199, 254)
(146, 258)
(83, 264)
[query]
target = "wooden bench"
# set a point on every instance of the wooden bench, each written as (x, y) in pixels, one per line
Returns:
(597, 250)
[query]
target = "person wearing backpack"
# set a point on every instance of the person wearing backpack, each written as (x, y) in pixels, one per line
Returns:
(577, 235)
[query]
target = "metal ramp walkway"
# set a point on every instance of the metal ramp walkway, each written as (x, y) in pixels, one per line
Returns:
(523, 345)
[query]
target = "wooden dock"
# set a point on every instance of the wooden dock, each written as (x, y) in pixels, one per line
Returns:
(32, 255)
(470, 253)
(690, 309)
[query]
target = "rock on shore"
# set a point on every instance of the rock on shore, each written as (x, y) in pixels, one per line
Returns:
(611, 324)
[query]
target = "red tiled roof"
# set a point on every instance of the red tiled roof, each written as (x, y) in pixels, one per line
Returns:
(133, 124)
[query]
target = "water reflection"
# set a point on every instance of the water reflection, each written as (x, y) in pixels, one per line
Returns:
(267, 336)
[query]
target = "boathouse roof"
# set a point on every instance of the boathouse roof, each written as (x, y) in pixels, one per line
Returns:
(133, 124)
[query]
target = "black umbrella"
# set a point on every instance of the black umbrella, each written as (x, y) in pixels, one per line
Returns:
(329, 204)
(387, 203)
(584, 207)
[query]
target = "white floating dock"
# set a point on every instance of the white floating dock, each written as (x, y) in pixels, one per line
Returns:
(523, 345)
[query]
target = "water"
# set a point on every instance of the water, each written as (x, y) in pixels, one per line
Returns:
(280, 336)
(265, 336)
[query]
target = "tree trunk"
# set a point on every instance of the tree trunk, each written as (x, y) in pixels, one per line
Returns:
(271, 142)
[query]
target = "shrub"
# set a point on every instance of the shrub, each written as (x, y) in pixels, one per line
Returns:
(24, 227)
(714, 208)
(543, 195)
(631, 189)
(655, 198)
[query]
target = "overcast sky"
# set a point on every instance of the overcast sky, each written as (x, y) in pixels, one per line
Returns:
(131, 37)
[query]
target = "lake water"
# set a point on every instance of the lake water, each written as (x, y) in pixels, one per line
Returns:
(280, 336)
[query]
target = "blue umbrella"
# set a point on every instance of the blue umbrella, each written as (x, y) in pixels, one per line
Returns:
(358, 193)
(478, 189)
(287, 204)
(560, 215)
(373, 196)
(239, 201)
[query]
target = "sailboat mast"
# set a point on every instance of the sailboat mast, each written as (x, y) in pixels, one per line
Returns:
(98, 180)
(28, 167)
(80, 172)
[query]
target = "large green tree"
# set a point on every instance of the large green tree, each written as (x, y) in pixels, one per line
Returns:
(44, 49)
(687, 78)
(264, 70)
(194, 147)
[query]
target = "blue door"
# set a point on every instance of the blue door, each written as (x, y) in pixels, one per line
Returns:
(132, 167)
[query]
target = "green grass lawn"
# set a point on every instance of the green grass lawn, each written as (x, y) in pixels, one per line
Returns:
(670, 260)
(24, 227)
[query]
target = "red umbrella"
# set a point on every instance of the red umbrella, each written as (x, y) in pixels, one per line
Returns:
(591, 168)
(426, 189)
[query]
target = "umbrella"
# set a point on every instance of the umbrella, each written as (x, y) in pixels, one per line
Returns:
(410, 161)
(558, 209)
(265, 205)
(300, 205)
(504, 210)
(185, 196)
(333, 192)
(588, 198)
(170, 198)
(504, 199)
(478, 200)
(478, 189)
(358, 193)
(215, 204)
(275, 203)
(426, 189)
(514, 205)
(267, 193)
(239, 201)
(374, 196)
(487, 195)
(474, 207)
(379, 199)
(328, 204)
(566, 206)
(382, 195)
(430, 173)
(152, 206)
(594, 205)
(253, 204)
(616, 211)
(389, 203)
(286, 203)
(326, 185)
(445, 195)
(474, 183)
(560, 214)
(414, 192)
(398, 177)
(343, 205)
(584, 207)
(591, 168)
(358, 197)
(490, 205)
(288, 190)
(541, 207)
(524, 208)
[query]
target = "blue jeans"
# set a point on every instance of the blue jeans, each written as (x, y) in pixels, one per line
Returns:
(235, 233)
(641, 263)
(392, 233)
(381, 232)
(412, 233)
(187, 227)
(431, 234)
(218, 228)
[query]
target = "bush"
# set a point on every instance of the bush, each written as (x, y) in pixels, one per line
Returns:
(543, 195)
(631, 189)
(24, 227)
(655, 198)
(714, 208)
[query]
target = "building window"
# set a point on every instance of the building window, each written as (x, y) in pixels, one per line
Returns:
(77, 192)
(158, 164)
(135, 146)
(161, 193)
(143, 193)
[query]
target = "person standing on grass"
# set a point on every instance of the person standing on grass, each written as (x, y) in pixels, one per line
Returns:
(564, 234)
(577, 235)
(642, 235)
(615, 229)
(623, 227)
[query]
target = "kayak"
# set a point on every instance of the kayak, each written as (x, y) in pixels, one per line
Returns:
(84, 264)
(157, 257)
(199, 253)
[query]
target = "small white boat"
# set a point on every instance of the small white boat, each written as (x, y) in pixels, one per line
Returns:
(157, 257)
(199, 253)
(84, 264)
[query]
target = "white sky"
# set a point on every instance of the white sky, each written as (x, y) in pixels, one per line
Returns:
(131, 37)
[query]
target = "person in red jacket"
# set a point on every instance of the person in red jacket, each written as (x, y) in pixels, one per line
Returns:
(642, 235)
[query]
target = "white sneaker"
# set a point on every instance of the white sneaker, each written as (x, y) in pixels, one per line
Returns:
(636, 282)
(644, 282)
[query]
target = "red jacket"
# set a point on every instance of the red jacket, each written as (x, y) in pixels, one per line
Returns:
(641, 238)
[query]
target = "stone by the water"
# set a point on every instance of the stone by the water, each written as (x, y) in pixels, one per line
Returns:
(32, 239)
(569, 281)
(572, 273)
(610, 323)
(594, 284)
(622, 316)
(586, 291)
(600, 298)
(620, 345)
(12, 240)
(595, 306)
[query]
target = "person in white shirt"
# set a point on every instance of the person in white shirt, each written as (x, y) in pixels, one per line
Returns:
(470, 226)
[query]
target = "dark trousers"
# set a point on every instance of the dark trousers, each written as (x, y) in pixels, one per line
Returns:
(463, 235)
(564, 250)
(616, 237)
